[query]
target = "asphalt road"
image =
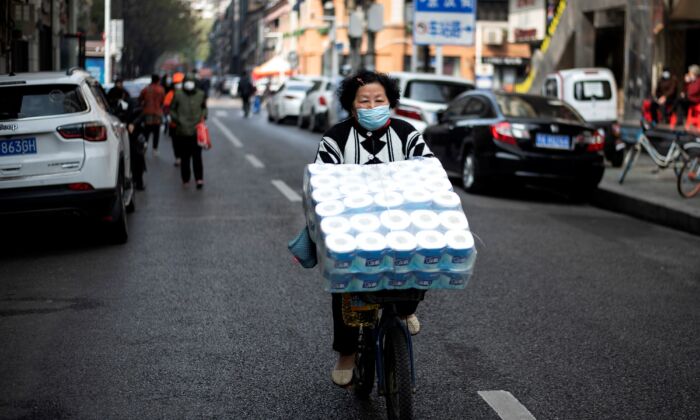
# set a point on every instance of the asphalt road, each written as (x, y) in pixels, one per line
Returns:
(574, 312)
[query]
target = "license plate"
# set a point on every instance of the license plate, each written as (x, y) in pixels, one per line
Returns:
(18, 146)
(552, 141)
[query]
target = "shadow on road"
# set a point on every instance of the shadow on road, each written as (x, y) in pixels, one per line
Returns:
(48, 234)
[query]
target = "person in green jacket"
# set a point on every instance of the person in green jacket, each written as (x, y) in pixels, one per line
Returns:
(188, 108)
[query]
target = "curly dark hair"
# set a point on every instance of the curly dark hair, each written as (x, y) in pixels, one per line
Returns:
(348, 87)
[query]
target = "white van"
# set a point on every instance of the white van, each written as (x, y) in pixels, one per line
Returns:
(593, 93)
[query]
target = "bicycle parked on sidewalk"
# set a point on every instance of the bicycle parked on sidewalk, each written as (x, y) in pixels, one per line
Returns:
(677, 156)
(385, 347)
(689, 176)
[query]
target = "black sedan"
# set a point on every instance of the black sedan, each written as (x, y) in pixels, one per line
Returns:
(486, 136)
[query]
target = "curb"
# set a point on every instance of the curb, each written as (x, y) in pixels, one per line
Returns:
(646, 210)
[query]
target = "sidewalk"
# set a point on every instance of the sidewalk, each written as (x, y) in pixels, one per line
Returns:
(648, 194)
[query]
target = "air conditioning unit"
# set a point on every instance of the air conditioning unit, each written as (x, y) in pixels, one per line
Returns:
(494, 36)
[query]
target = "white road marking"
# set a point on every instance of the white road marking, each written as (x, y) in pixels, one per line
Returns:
(221, 113)
(506, 405)
(286, 191)
(255, 161)
(227, 133)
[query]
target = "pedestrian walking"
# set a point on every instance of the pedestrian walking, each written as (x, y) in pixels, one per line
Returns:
(246, 89)
(151, 100)
(690, 97)
(119, 100)
(178, 78)
(188, 108)
(368, 137)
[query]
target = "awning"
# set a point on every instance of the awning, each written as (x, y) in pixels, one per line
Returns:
(275, 66)
(685, 10)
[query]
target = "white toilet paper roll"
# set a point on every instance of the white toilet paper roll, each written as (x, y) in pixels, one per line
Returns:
(382, 185)
(352, 188)
(453, 220)
(349, 170)
(401, 241)
(365, 222)
(437, 184)
(323, 181)
(341, 243)
(406, 176)
(388, 199)
(433, 172)
(430, 240)
(395, 220)
(417, 197)
(329, 208)
(446, 200)
(325, 194)
(370, 241)
(358, 202)
(334, 225)
(459, 239)
(425, 219)
(321, 169)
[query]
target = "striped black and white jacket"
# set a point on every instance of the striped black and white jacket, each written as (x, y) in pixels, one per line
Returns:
(349, 142)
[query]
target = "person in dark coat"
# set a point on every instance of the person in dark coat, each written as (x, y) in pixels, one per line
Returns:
(246, 89)
(188, 108)
(665, 96)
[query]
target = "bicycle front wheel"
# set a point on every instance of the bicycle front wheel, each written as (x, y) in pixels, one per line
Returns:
(397, 376)
(689, 178)
(627, 164)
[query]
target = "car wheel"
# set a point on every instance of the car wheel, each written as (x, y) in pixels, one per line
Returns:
(313, 123)
(132, 203)
(302, 121)
(471, 180)
(116, 229)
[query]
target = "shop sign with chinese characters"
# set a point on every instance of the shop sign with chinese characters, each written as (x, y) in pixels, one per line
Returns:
(444, 22)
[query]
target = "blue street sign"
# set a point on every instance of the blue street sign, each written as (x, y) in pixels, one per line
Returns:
(444, 22)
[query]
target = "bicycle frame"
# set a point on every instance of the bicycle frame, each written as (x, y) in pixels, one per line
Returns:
(388, 320)
(663, 161)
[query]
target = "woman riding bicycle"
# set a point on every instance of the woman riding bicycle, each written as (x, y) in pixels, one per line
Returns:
(367, 137)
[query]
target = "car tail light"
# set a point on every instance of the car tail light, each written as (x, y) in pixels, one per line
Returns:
(503, 132)
(80, 186)
(90, 131)
(412, 113)
(596, 143)
(322, 100)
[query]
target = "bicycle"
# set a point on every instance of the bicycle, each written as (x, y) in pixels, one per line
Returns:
(675, 156)
(385, 347)
(689, 177)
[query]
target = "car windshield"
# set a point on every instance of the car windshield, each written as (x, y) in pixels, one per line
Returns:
(299, 87)
(434, 91)
(535, 107)
(40, 100)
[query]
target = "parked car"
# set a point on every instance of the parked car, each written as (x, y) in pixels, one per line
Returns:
(318, 110)
(286, 102)
(485, 137)
(593, 93)
(62, 150)
(424, 95)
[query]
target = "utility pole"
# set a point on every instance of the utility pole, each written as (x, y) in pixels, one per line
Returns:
(108, 39)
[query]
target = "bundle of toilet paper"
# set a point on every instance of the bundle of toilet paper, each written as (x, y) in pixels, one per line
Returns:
(395, 225)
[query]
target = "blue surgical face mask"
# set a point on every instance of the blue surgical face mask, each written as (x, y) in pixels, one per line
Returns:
(373, 118)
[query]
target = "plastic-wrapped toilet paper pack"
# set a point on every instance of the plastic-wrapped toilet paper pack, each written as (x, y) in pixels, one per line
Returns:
(397, 225)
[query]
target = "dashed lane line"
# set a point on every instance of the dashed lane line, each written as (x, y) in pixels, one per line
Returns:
(286, 190)
(227, 133)
(254, 161)
(506, 405)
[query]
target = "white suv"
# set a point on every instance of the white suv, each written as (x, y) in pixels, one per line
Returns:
(423, 95)
(62, 150)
